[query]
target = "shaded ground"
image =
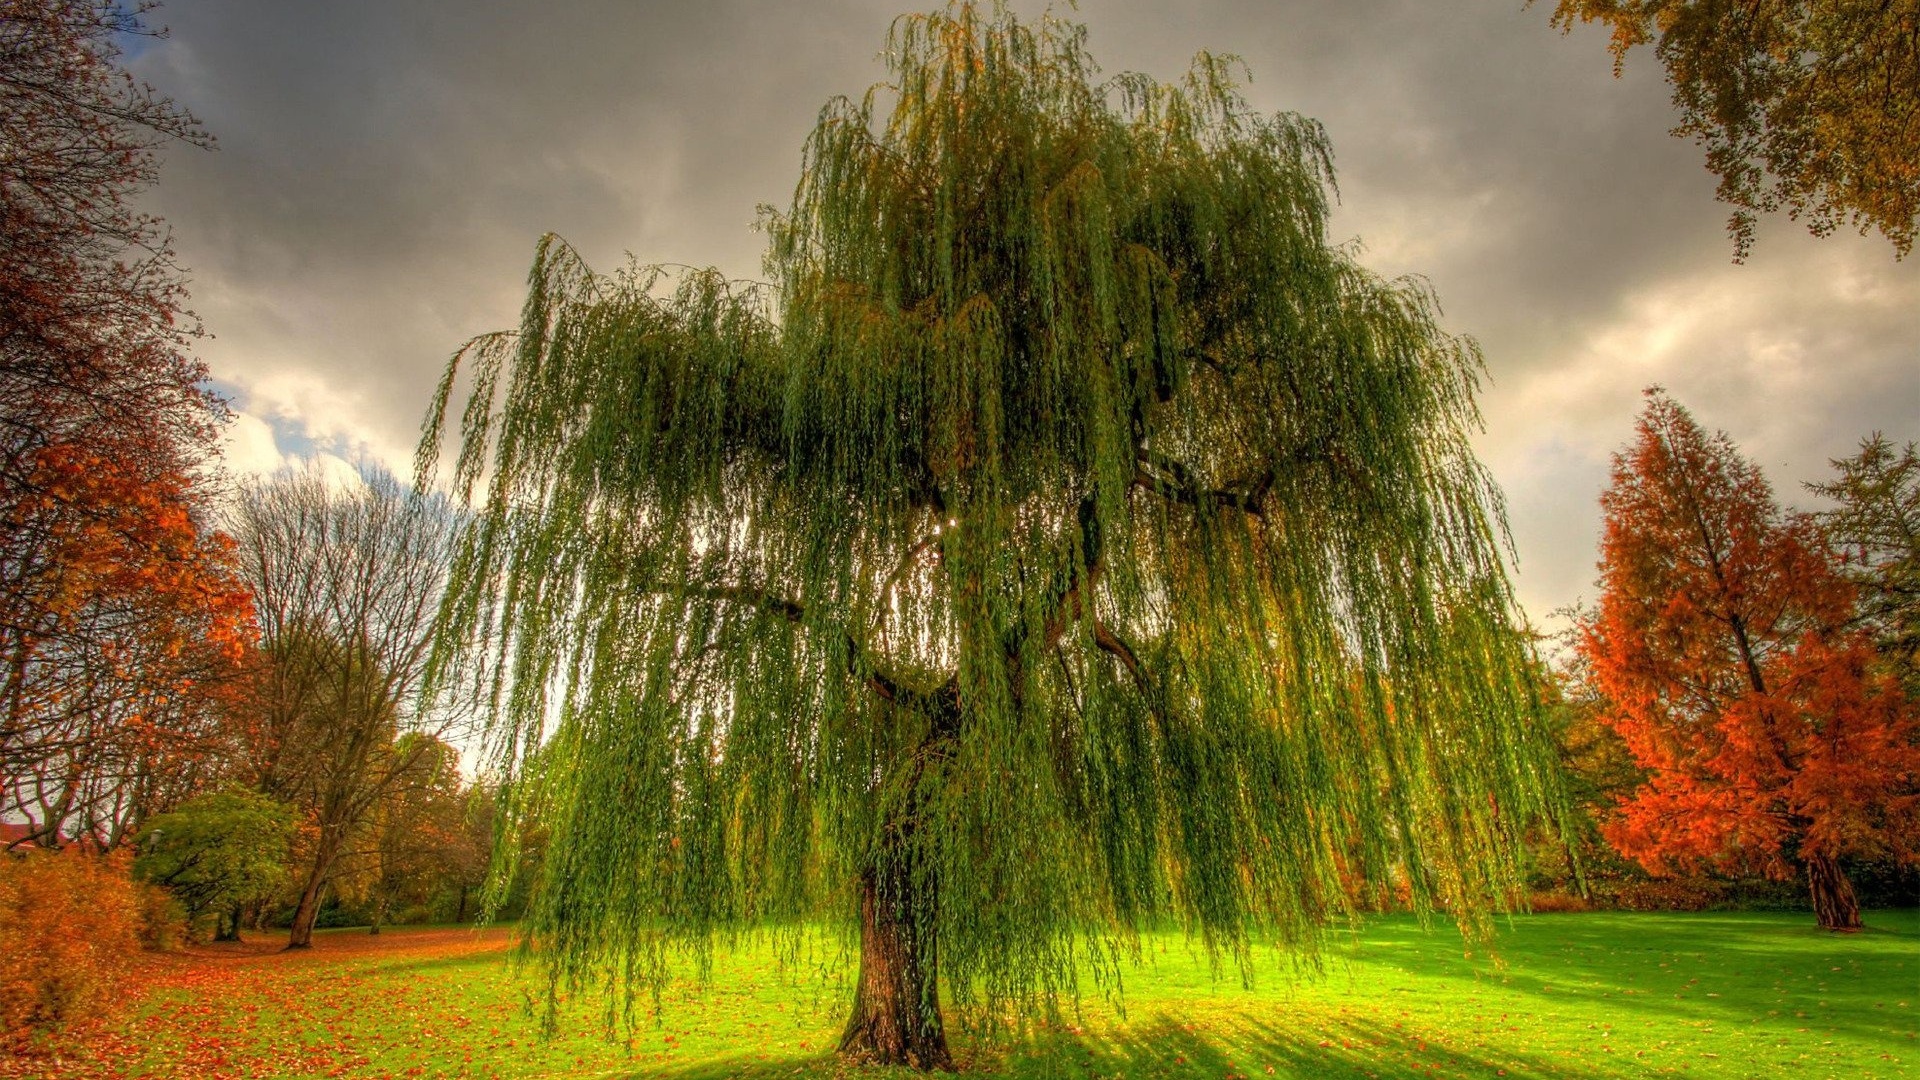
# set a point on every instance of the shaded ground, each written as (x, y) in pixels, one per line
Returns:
(1572, 996)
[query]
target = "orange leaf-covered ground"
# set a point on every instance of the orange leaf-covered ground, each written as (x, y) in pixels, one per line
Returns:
(254, 1010)
(409, 1002)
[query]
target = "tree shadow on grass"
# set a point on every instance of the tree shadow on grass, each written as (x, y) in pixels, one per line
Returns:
(1168, 1047)
(1740, 970)
(1731, 968)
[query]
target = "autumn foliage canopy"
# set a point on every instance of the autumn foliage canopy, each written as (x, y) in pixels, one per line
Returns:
(1810, 107)
(1724, 650)
(119, 612)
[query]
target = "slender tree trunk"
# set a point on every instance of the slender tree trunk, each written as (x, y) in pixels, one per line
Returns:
(226, 926)
(896, 1004)
(460, 916)
(300, 934)
(1834, 904)
(52, 817)
(379, 915)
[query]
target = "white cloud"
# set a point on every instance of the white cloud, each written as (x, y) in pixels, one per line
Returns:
(253, 449)
(1796, 357)
(338, 472)
(1793, 357)
(249, 446)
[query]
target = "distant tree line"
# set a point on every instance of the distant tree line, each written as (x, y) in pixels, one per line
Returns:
(314, 777)
(223, 677)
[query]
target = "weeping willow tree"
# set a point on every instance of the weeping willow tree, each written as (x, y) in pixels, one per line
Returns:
(1066, 540)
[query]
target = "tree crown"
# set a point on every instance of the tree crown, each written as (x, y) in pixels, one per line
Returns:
(1726, 655)
(1066, 510)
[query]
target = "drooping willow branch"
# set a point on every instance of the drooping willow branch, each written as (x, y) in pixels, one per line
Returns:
(1164, 476)
(1062, 441)
(859, 658)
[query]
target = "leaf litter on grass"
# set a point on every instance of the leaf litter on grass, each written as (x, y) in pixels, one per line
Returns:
(1573, 997)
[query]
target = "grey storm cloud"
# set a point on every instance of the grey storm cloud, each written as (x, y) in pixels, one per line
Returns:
(384, 170)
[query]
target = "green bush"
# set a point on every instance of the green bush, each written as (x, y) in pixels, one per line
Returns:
(218, 851)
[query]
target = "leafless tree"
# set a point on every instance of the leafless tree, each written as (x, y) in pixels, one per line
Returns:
(346, 581)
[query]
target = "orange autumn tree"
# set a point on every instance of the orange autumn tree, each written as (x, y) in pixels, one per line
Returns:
(120, 616)
(1722, 655)
(124, 632)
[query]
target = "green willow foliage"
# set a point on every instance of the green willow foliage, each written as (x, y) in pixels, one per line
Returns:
(1066, 522)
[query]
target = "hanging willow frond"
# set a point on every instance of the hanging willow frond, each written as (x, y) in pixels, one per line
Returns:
(1067, 518)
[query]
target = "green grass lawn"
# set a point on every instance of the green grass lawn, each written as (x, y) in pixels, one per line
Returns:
(1572, 996)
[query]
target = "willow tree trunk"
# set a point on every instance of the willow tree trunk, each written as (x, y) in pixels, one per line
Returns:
(1834, 904)
(896, 1003)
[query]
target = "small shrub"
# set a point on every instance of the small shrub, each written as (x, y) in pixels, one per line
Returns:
(217, 851)
(413, 915)
(1668, 894)
(163, 922)
(1557, 901)
(334, 915)
(70, 923)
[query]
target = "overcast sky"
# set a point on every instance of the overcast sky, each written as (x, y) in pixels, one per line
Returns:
(384, 170)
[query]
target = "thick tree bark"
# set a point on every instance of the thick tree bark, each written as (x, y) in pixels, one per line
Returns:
(226, 926)
(1834, 904)
(896, 1004)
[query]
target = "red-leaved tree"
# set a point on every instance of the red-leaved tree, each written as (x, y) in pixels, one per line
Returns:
(125, 632)
(119, 609)
(1721, 651)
